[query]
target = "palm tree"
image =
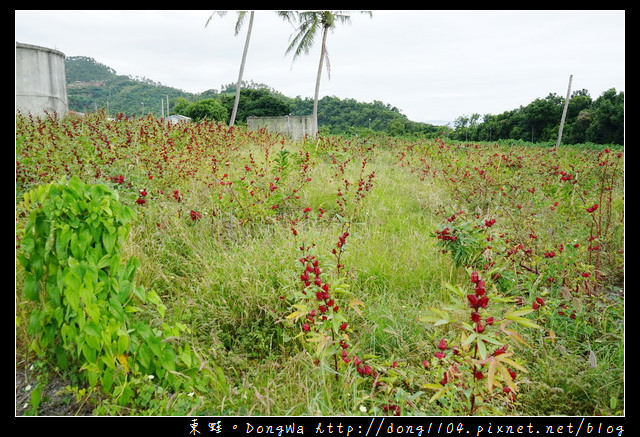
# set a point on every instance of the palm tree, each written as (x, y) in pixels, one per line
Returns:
(285, 15)
(311, 22)
(239, 22)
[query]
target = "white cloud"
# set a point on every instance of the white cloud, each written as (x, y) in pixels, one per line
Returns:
(429, 64)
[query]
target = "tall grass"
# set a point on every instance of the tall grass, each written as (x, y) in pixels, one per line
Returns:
(229, 273)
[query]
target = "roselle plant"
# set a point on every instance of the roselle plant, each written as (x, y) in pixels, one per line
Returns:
(477, 364)
(466, 240)
(321, 301)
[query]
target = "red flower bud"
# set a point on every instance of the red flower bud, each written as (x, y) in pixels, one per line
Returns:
(475, 317)
(473, 300)
(500, 351)
(483, 302)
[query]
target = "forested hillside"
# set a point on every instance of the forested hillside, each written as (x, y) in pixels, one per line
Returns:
(93, 86)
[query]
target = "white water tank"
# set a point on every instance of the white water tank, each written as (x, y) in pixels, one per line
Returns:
(41, 82)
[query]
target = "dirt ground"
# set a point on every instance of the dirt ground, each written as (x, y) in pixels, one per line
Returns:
(56, 401)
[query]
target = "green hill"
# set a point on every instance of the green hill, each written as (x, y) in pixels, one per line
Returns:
(92, 86)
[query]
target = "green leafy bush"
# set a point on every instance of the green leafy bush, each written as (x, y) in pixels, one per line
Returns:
(209, 109)
(85, 294)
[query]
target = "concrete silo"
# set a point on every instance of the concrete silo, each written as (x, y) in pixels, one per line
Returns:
(41, 84)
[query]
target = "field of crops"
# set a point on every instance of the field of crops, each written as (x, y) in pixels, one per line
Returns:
(204, 269)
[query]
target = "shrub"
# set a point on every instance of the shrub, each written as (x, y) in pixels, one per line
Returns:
(210, 109)
(85, 294)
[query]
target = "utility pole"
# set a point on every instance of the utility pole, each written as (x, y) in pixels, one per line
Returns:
(564, 113)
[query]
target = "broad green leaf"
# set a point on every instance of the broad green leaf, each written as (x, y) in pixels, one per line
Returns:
(144, 357)
(518, 313)
(123, 343)
(89, 352)
(106, 380)
(482, 348)
(139, 291)
(62, 241)
(457, 290)
(295, 316)
(438, 395)
(470, 339)
(437, 318)
(506, 376)
(30, 286)
(516, 336)
(491, 339)
(491, 372)
(93, 310)
(505, 358)
(105, 261)
(109, 241)
(526, 322)
(36, 396)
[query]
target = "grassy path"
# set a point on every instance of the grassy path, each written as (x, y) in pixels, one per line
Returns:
(229, 269)
(393, 268)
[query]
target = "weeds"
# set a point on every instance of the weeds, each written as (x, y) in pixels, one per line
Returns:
(333, 276)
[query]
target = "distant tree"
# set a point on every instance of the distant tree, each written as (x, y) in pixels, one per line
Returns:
(580, 100)
(210, 109)
(599, 122)
(577, 132)
(85, 69)
(181, 106)
(607, 126)
(208, 94)
(578, 117)
(542, 116)
(257, 103)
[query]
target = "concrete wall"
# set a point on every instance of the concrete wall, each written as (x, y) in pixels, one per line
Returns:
(41, 82)
(293, 126)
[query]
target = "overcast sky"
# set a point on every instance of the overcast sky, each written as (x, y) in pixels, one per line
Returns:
(430, 64)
